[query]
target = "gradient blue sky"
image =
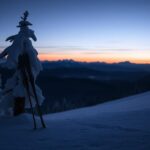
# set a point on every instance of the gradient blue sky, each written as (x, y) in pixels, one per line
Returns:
(83, 29)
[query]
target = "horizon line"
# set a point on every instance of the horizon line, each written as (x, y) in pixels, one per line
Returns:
(129, 62)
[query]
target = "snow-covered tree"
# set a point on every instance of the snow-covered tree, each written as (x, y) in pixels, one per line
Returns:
(15, 92)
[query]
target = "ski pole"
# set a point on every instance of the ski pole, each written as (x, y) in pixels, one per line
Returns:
(25, 82)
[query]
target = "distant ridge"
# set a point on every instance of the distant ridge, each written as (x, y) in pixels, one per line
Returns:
(73, 61)
(102, 66)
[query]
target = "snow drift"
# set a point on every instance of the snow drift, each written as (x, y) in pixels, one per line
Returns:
(123, 124)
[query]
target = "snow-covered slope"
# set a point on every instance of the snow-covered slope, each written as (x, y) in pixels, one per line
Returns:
(123, 124)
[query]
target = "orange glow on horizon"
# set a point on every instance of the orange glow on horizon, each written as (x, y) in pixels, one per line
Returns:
(113, 58)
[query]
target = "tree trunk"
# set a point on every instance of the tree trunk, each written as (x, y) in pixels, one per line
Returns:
(19, 106)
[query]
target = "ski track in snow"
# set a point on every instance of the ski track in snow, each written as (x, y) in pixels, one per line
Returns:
(123, 124)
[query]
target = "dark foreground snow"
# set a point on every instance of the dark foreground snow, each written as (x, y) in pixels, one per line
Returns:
(119, 125)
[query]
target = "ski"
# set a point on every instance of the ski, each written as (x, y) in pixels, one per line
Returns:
(24, 76)
(31, 80)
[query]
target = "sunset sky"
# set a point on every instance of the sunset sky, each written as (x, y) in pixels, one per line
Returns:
(83, 30)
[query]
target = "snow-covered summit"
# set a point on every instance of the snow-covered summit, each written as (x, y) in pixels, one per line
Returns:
(123, 124)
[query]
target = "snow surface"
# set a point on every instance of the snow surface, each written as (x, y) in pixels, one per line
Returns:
(123, 124)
